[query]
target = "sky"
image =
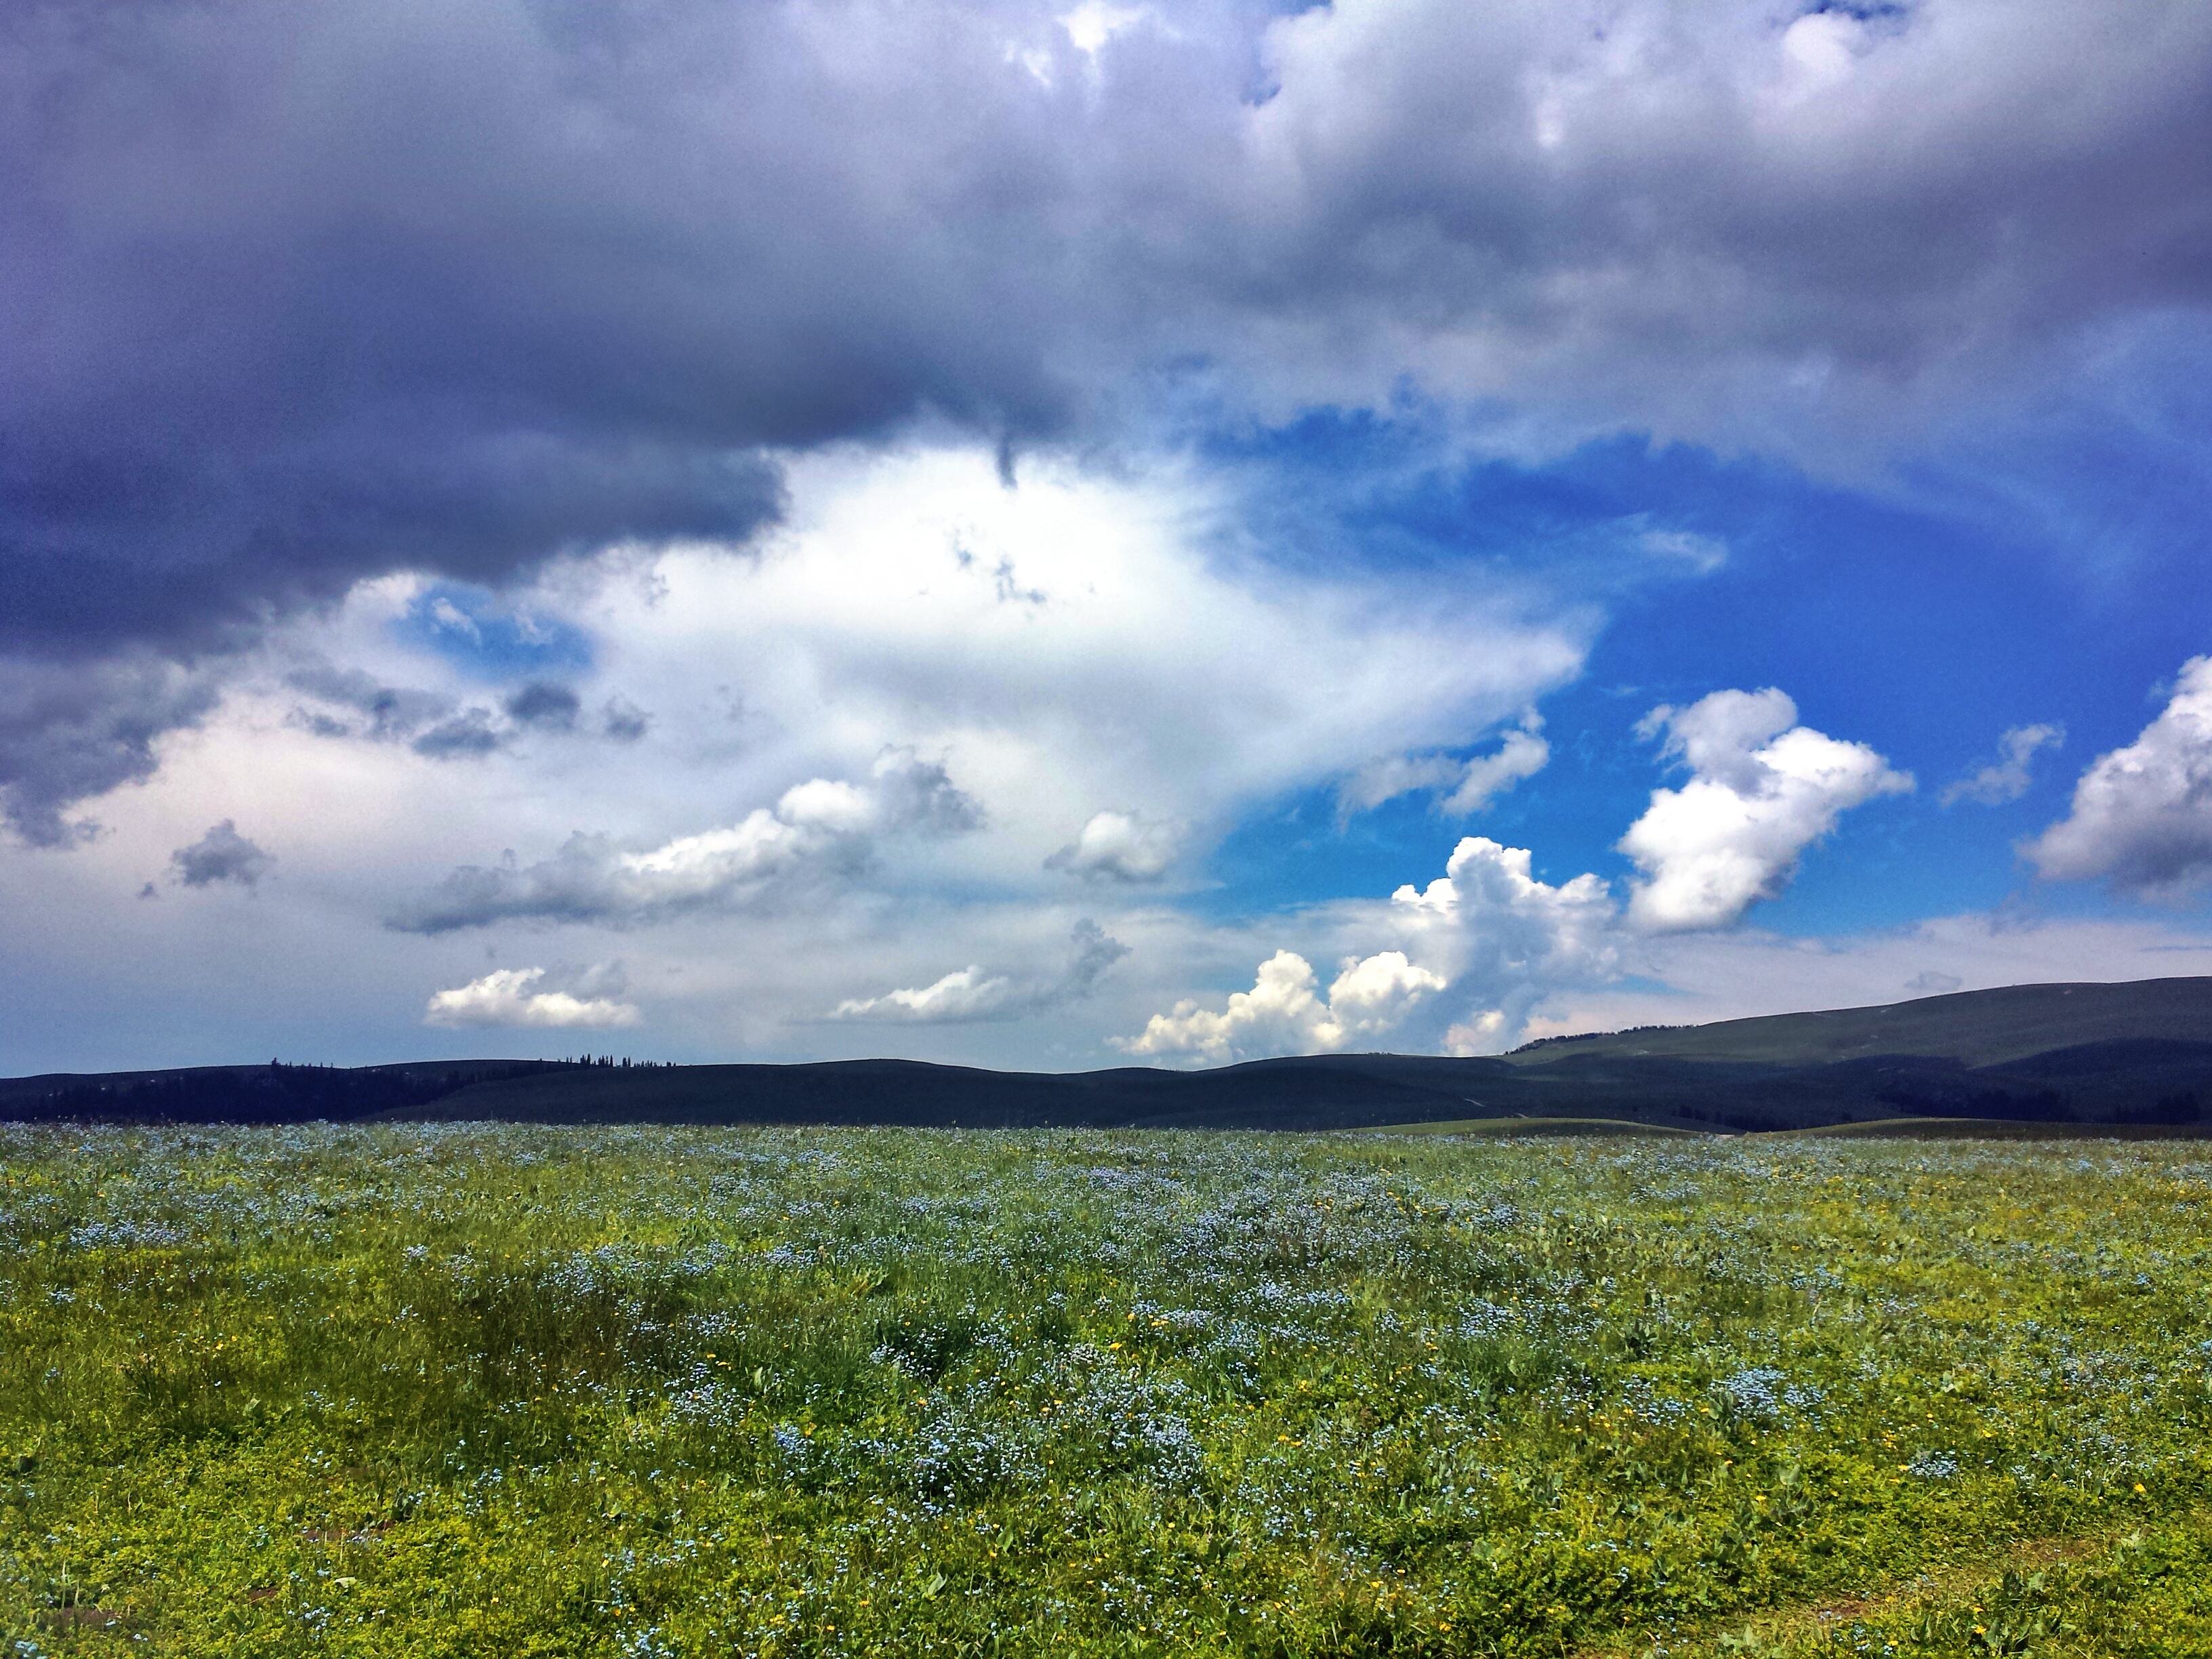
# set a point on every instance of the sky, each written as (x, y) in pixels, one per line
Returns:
(1055, 537)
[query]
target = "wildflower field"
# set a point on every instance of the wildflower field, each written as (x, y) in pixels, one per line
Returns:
(467, 1390)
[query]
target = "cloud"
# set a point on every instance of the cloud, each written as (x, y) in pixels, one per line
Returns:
(351, 702)
(2006, 778)
(70, 731)
(2141, 817)
(445, 614)
(1285, 1013)
(1762, 789)
(391, 712)
(1473, 783)
(1169, 673)
(1700, 555)
(1505, 940)
(512, 997)
(1125, 847)
(1166, 682)
(623, 720)
(971, 993)
(1472, 954)
(363, 299)
(1692, 978)
(544, 704)
(468, 735)
(365, 302)
(818, 831)
(1523, 755)
(221, 855)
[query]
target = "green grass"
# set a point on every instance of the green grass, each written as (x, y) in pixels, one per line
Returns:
(1495, 1127)
(432, 1391)
(1995, 1129)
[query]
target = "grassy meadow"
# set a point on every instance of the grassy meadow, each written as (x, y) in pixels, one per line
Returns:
(467, 1390)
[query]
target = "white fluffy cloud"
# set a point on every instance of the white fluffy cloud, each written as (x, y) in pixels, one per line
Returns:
(1086, 638)
(974, 994)
(1082, 640)
(820, 829)
(1762, 788)
(1120, 846)
(1473, 953)
(2007, 777)
(1472, 784)
(2142, 815)
(514, 996)
(1284, 1011)
(1507, 940)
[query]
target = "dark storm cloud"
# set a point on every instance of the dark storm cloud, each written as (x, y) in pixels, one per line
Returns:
(303, 292)
(545, 704)
(68, 731)
(294, 293)
(468, 735)
(221, 855)
(302, 295)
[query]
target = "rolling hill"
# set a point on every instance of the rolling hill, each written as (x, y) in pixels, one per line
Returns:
(2132, 1053)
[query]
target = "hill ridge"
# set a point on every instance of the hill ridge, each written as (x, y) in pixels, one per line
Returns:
(2136, 1052)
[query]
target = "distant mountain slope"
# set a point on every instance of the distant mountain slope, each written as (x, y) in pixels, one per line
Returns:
(2138, 1053)
(1978, 1028)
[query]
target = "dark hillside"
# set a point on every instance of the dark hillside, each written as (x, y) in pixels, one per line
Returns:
(1978, 1028)
(2051, 1055)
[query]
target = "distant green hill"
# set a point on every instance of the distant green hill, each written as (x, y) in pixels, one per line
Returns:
(1978, 1028)
(2130, 1055)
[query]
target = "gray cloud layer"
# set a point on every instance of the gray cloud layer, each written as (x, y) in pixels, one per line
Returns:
(300, 294)
(303, 292)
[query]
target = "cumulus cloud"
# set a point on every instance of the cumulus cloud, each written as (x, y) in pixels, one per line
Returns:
(973, 993)
(1465, 786)
(1477, 950)
(2006, 778)
(526, 997)
(1762, 789)
(1284, 1011)
(219, 856)
(1124, 846)
(819, 829)
(2142, 816)
(1506, 940)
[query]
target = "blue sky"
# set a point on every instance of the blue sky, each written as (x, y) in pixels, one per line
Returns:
(1056, 537)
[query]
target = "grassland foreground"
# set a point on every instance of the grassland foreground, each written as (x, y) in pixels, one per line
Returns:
(464, 1390)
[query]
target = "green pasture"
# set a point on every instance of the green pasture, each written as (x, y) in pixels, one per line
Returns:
(458, 1390)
